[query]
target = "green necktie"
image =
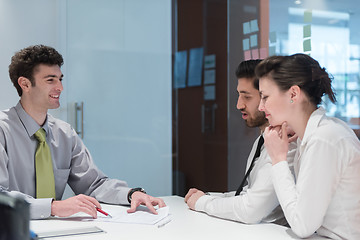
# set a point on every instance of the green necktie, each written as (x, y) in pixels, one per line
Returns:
(45, 183)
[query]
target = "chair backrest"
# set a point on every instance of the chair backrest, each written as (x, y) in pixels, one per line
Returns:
(15, 218)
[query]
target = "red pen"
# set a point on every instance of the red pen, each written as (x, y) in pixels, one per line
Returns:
(103, 212)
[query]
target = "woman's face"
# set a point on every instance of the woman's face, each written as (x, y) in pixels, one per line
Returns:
(274, 102)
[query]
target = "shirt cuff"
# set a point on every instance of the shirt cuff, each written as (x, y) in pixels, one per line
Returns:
(40, 208)
(279, 168)
(279, 172)
(283, 181)
(215, 194)
(201, 202)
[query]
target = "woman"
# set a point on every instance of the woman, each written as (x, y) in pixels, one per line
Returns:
(325, 197)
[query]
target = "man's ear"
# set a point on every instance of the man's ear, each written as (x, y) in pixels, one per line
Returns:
(24, 83)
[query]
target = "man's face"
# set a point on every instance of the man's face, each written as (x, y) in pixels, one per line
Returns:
(248, 103)
(45, 94)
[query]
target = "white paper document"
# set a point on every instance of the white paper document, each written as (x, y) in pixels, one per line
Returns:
(69, 232)
(141, 216)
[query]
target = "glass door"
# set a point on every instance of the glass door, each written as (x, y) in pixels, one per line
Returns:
(118, 64)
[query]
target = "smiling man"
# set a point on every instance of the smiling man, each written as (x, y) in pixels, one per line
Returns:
(256, 201)
(40, 154)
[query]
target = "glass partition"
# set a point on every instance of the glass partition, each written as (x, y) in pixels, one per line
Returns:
(326, 30)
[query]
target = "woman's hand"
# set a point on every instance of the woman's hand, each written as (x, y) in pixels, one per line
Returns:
(292, 136)
(277, 143)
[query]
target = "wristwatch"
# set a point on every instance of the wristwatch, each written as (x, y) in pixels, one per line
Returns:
(138, 189)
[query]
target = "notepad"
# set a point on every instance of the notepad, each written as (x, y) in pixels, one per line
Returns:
(69, 232)
(141, 216)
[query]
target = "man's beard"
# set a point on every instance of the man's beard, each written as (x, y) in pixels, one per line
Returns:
(257, 121)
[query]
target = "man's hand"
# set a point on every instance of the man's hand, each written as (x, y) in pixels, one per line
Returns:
(79, 203)
(138, 198)
(192, 196)
(190, 192)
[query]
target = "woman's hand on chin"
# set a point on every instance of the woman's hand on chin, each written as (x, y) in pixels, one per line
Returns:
(277, 143)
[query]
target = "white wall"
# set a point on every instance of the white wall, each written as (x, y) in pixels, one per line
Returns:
(118, 61)
(22, 24)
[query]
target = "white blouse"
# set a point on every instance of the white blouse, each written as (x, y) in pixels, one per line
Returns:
(326, 195)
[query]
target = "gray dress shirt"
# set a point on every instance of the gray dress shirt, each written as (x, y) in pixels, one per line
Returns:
(72, 162)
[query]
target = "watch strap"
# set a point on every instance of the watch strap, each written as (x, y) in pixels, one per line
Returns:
(138, 189)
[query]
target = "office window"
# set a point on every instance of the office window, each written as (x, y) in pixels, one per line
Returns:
(327, 30)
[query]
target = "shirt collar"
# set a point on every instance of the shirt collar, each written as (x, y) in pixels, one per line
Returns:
(29, 123)
(313, 123)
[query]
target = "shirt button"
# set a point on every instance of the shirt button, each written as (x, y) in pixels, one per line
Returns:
(42, 216)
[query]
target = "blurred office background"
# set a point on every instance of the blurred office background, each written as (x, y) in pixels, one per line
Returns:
(150, 84)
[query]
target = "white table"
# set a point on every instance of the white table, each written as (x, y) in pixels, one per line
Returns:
(185, 224)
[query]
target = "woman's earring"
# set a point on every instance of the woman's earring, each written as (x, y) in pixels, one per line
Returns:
(291, 101)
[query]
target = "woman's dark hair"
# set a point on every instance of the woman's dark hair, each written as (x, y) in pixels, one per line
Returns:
(26, 60)
(246, 69)
(301, 70)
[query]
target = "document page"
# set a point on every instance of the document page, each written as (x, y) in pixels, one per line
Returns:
(69, 232)
(141, 216)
